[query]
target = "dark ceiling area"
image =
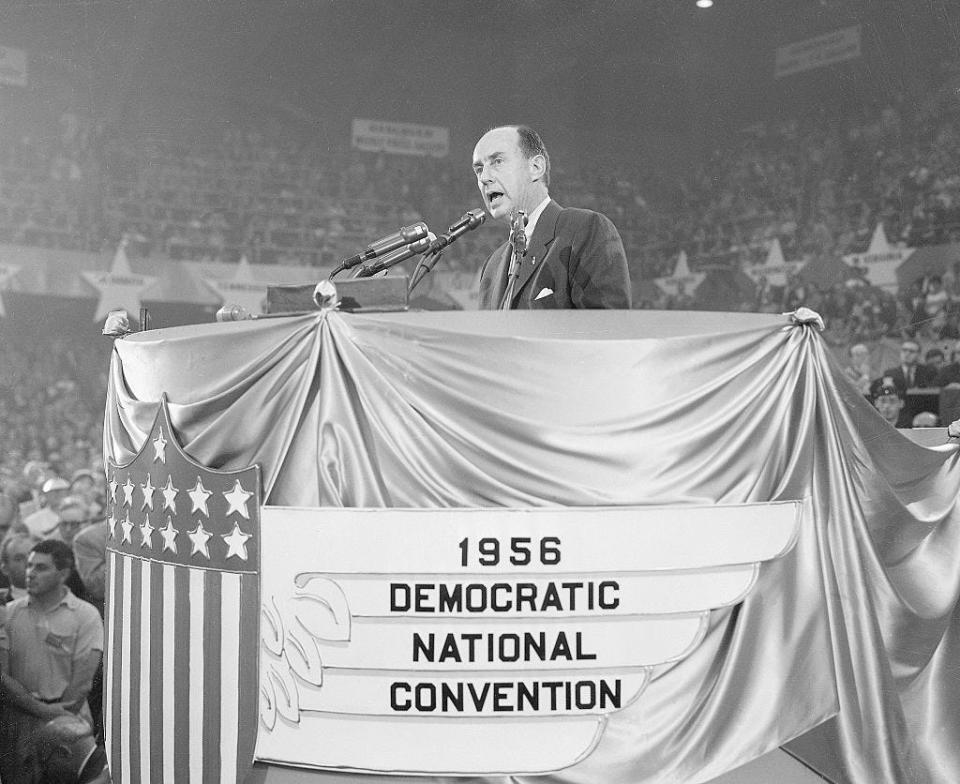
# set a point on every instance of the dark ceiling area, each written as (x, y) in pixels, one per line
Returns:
(649, 77)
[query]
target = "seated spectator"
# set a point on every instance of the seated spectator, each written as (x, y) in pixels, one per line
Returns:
(74, 515)
(52, 646)
(8, 515)
(90, 553)
(934, 361)
(45, 520)
(859, 371)
(925, 419)
(13, 563)
(910, 373)
(950, 374)
(889, 402)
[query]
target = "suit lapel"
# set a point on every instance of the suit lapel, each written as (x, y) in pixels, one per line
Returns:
(543, 236)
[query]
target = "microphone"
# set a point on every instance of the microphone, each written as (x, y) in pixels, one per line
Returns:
(467, 222)
(395, 257)
(386, 244)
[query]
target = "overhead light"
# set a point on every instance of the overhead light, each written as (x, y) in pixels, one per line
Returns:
(704, 3)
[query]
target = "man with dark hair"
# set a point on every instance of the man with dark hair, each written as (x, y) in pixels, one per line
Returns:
(888, 400)
(574, 257)
(50, 647)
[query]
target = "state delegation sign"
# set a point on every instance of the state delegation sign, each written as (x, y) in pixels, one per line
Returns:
(484, 641)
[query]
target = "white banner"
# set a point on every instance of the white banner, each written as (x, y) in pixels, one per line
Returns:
(826, 49)
(482, 641)
(401, 138)
(13, 66)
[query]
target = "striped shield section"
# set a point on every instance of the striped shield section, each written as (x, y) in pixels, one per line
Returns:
(181, 617)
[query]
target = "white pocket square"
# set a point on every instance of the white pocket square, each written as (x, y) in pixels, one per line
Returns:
(544, 293)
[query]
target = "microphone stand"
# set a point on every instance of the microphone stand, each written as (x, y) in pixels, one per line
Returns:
(518, 246)
(425, 265)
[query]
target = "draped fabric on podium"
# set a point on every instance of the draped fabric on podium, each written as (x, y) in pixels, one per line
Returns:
(847, 648)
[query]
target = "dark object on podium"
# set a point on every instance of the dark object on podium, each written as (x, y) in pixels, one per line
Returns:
(357, 295)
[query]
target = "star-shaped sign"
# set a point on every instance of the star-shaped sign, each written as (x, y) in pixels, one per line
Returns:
(237, 500)
(198, 498)
(682, 278)
(776, 268)
(146, 533)
(159, 448)
(7, 274)
(243, 290)
(236, 542)
(119, 287)
(128, 488)
(148, 489)
(127, 527)
(199, 537)
(169, 495)
(881, 260)
(169, 534)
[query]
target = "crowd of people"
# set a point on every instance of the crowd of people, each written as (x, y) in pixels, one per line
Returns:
(52, 557)
(818, 184)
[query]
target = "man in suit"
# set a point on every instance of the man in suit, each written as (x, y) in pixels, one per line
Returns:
(574, 257)
(910, 373)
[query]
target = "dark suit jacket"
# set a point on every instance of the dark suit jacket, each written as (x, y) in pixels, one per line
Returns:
(575, 259)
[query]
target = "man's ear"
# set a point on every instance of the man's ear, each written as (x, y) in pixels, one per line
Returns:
(538, 167)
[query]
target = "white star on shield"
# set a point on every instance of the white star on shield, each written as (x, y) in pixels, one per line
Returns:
(199, 537)
(236, 542)
(237, 500)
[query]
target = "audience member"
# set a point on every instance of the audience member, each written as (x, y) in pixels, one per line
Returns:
(53, 643)
(13, 562)
(859, 371)
(910, 372)
(43, 523)
(888, 399)
(925, 419)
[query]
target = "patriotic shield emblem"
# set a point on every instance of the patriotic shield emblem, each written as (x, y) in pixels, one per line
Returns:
(180, 668)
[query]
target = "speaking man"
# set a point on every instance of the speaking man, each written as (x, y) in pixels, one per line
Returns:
(574, 257)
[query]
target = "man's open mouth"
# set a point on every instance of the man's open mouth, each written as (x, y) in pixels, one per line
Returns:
(494, 197)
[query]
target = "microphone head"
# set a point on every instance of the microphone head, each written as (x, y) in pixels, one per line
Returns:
(477, 217)
(415, 231)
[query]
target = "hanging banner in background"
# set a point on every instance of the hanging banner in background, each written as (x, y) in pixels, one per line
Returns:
(13, 66)
(7, 273)
(400, 138)
(881, 261)
(811, 53)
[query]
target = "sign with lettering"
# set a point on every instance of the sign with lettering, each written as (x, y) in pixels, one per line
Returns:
(817, 52)
(402, 138)
(13, 66)
(881, 260)
(483, 641)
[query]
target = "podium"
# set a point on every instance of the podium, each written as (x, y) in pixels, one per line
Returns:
(536, 412)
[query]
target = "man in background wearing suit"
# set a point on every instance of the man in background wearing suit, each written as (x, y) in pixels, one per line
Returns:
(574, 257)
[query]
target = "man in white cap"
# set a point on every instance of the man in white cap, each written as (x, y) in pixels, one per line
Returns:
(44, 522)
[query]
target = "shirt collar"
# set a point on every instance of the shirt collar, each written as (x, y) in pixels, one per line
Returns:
(533, 217)
(68, 600)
